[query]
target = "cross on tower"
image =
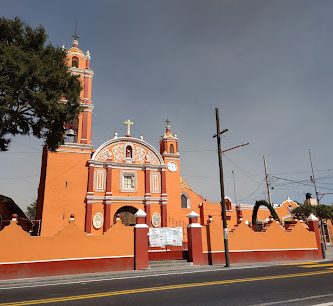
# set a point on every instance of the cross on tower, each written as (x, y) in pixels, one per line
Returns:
(167, 122)
(128, 123)
(75, 33)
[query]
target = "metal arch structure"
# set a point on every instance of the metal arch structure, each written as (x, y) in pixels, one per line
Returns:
(256, 208)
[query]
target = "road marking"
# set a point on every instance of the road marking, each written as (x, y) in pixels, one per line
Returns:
(86, 280)
(300, 263)
(317, 265)
(299, 300)
(163, 288)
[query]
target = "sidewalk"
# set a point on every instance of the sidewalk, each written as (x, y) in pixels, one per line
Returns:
(161, 268)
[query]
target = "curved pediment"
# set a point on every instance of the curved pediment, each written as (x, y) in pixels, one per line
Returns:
(128, 150)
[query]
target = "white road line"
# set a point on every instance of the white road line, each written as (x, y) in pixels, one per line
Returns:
(299, 300)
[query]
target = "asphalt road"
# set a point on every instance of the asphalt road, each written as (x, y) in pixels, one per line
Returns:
(296, 284)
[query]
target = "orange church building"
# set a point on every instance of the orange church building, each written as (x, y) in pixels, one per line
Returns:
(89, 199)
(121, 176)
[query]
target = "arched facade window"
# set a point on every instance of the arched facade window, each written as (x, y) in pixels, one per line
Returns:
(129, 152)
(172, 150)
(75, 62)
(185, 201)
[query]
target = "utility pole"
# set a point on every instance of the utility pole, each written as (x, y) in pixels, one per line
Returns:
(233, 177)
(313, 178)
(267, 184)
(224, 215)
(323, 240)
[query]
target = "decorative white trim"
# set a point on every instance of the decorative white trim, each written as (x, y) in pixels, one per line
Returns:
(64, 259)
(100, 179)
(194, 225)
(141, 226)
(155, 182)
(98, 220)
(115, 199)
(169, 158)
(192, 214)
(69, 151)
(127, 166)
(263, 250)
(140, 213)
(312, 217)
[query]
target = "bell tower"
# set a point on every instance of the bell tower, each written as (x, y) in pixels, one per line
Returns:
(64, 173)
(169, 151)
(79, 131)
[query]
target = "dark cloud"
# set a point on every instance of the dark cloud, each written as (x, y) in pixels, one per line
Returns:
(267, 65)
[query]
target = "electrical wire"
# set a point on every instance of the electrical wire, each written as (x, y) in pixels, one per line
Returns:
(252, 193)
(245, 172)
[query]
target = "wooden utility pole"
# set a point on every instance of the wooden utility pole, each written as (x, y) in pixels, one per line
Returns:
(267, 184)
(224, 215)
(323, 239)
(233, 177)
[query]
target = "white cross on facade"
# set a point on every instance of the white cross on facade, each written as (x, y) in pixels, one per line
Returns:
(128, 123)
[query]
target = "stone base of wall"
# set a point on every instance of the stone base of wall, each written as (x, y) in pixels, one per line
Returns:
(64, 267)
(171, 253)
(262, 256)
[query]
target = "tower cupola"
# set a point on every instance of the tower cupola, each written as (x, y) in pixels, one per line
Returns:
(169, 141)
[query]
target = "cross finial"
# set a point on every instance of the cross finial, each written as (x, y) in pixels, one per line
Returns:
(128, 123)
(76, 37)
(75, 32)
(167, 122)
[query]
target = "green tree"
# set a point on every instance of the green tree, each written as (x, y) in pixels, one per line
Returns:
(31, 210)
(323, 212)
(38, 95)
(302, 211)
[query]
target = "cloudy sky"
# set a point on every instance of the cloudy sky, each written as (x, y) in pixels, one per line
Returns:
(267, 66)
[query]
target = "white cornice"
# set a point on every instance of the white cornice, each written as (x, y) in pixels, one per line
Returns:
(115, 199)
(171, 155)
(87, 147)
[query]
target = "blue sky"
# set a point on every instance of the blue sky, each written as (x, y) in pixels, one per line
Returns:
(267, 66)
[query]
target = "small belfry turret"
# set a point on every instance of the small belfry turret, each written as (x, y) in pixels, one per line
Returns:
(170, 155)
(79, 131)
(169, 141)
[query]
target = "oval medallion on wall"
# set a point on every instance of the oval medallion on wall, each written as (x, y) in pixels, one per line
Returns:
(98, 220)
(156, 220)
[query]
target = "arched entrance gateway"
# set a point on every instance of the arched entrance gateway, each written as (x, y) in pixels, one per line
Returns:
(126, 215)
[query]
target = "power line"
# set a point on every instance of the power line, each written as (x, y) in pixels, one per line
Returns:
(253, 192)
(18, 178)
(305, 171)
(32, 152)
(245, 172)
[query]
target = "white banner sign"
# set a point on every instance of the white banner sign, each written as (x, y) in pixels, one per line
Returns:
(163, 236)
